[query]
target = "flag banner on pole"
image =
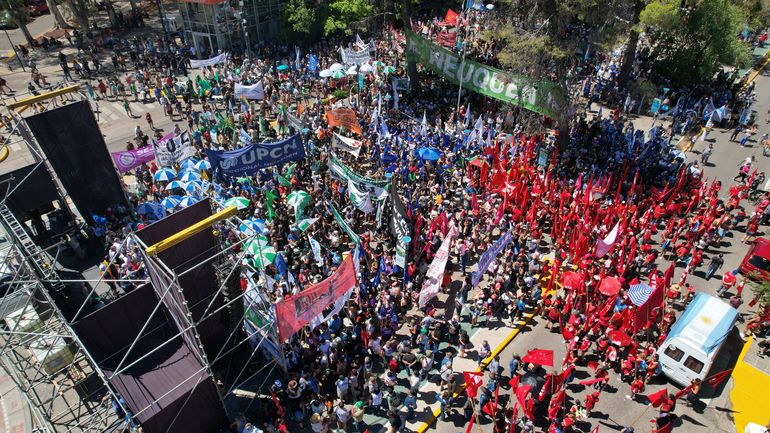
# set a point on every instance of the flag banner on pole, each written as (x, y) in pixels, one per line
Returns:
(640, 293)
(447, 39)
(208, 62)
(316, 248)
(130, 159)
(349, 145)
(395, 93)
(304, 224)
(344, 117)
(544, 97)
(254, 91)
(436, 270)
(360, 199)
(312, 63)
(173, 149)
(450, 17)
(603, 246)
(377, 188)
(539, 356)
(489, 255)
(473, 381)
(658, 398)
(295, 122)
(247, 160)
(350, 57)
(296, 311)
(344, 225)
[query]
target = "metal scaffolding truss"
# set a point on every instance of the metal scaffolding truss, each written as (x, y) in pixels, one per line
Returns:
(65, 387)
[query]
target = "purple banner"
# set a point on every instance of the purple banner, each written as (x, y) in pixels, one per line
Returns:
(130, 159)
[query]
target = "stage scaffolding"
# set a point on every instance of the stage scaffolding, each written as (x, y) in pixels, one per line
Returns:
(67, 389)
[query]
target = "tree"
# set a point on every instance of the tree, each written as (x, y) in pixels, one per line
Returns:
(691, 45)
(761, 290)
(58, 18)
(341, 14)
(19, 13)
(79, 9)
(301, 17)
(411, 67)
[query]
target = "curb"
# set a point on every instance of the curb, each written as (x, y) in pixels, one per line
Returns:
(500, 347)
(755, 74)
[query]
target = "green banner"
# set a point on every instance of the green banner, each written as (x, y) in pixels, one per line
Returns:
(544, 97)
(344, 225)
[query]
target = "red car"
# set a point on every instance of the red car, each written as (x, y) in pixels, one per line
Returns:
(37, 7)
(756, 262)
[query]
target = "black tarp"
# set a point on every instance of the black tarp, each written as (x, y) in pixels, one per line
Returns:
(200, 284)
(73, 144)
(187, 398)
(32, 189)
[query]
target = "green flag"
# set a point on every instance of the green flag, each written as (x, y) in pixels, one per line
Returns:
(344, 225)
(283, 181)
(270, 198)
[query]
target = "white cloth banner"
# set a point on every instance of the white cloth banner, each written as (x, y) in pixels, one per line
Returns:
(350, 57)
(171, 150)
(316, 247)
(208, 62)
(360, 199)
(255, 91)
(347, 144)
(436, 270)
(603, 246)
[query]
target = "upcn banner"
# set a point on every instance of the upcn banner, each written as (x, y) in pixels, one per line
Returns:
(544, 97)
(249, 159)
(297, 311)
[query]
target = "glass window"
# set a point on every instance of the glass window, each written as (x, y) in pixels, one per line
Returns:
(693, 364)
(674, 353)
(760, 263)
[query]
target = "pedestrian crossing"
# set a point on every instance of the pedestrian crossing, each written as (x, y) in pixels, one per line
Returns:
(113, 111)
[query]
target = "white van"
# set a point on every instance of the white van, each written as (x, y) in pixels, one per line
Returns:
(696, 338)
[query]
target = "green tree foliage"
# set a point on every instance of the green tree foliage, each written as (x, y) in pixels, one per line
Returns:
(300, 16)
(19, 13)
(341, 14)
(692, 45)
(761, 290)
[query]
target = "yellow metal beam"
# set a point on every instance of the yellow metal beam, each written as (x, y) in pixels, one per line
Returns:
(42, 97)
(194, 229)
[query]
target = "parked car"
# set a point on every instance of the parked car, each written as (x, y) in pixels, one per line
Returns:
(37, 7)
(756, 262)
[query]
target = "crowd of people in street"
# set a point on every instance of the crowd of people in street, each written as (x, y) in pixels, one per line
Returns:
(615, 206)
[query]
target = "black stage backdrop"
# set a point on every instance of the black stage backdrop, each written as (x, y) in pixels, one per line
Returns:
(73, 143)
(34, 190)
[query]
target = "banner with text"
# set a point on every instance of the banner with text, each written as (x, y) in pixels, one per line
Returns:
(490, 255)
(436, 270)
(347, 144)
(377, 189)
(297, 311)
(544, 97)
(344, 117)
(130, 159)
(350, 57)
(254, 91)
(172, 149)
(247, 160)
(208, 62)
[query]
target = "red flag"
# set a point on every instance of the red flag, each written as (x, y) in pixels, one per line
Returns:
(658, 398)
(521, 394)
(277, 403)
(539, 356)
(491, 407)
(596, 429)
(719, 377)
(472, 382)
(451, 17)
(681, 393)
(642, 314)
(593, 381)
(514, 382)
(669, 274)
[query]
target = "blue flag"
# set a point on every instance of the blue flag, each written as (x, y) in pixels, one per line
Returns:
(490, 255)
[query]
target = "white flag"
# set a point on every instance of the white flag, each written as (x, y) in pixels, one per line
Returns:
(359, 198)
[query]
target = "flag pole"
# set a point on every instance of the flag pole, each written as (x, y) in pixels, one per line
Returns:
(476, 414)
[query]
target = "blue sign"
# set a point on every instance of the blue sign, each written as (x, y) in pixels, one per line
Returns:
(490, 255)
(312, 63)
(247, 160)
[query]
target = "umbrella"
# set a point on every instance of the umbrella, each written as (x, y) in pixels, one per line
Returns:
(188, 163)
(164, 175)
(388, 69)
(351, 71)
(428, 154)
(620, 338)
(571, 279)
(338, 75)
(174, 184)
(366, 67)
(336, 67)
(188, 201)
(263, 255)
(282, 68)
(193, 186)
(252, 226)
(239, 202)
(326, 73)
(170, 202)
(298, 198)
(190, 176)
(203, 165)
(609, 286)
(151, 208)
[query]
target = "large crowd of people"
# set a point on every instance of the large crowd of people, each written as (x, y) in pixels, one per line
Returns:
(610, 181)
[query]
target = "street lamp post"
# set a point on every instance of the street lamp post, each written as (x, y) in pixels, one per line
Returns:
(21, 62)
